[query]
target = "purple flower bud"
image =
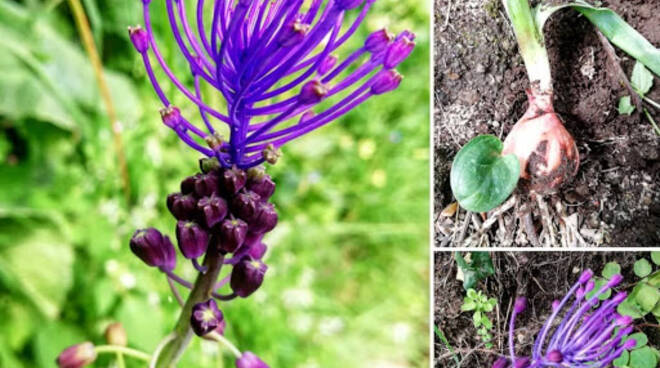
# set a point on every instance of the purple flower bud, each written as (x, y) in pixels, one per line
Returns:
(623, 321)
(245, 206)
(249, 360)
(630, 344)
(257, 250)
(378, 41)
(386, 81)
(591, 284)
(265, 220)
(260, 183)
(521, 363)
(233, 180)
(312, 92)
(205, 317)
(214, 209)
(555, 356)
(193, 240)
(222, 326)
(154, 249)
(614, 281)
(232, 234)
(293, 33)
(348, 4)
(77, 356)
(182, 207)
(206, 185)
(501, 363)
(188, 185)
(519, 305)
(252, 238)
(171, 116)
(247, 276)
(586, 276)
(619, 297)
(579, 293)
(398, 51)
(327, 64)
(140, 38)
(555, 304)
(115, 334)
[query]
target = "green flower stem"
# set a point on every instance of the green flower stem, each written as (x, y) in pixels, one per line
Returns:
(226, 343)
(120, 360)
(200, 292)
(116, 349)
(530, 43)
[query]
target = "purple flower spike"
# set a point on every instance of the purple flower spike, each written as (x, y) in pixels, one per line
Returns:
(249, 360)
(140, 38)
(591, 333)
(192, 239)
(154, 249)
(77, 356)
(205, 317)
(257, 51)
(247, 276)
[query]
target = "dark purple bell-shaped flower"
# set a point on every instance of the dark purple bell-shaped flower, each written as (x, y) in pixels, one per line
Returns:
(247, 276)
(193, 240)
(214, 209)
(233, 180)
(206, 184)
(232, 234)
(265, 220)
(77, 356)
(188, 185)
(182, 206)
(154, 249)
(205, 317)
(246, 206)
(249, 360)
(260, 183)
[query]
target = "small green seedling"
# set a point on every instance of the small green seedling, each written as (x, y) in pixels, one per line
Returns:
(641, 81)
(475, 267)
(479, 304)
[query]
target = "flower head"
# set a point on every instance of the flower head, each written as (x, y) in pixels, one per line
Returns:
(205, 317)
(77, 356)
(254, 52)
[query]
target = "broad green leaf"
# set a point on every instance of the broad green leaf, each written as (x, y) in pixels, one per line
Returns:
(481, 178)
(630, 308)
(468, 306)
(476, 319)
(622, 360)
(641, 79)
(598, 284)
(642, 268)
(486, 322)
(640, 339)
(643, 358)
(625, 106)
(611, 269)
(646, 296)
(143, 322)
(655, 257)
(654, 279)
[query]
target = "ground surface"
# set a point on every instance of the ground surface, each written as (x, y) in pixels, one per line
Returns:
(480, 82)
(541, 276)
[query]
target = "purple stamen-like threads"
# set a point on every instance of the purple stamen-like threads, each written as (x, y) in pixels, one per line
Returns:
(245, 54)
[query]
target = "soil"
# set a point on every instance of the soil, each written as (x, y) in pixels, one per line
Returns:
(480, 80)
(540, 276)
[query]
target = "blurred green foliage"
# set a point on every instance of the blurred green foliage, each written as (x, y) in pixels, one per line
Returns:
(348, 279)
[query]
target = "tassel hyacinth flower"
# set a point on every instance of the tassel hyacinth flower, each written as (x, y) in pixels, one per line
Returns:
(279, 68)
(590, 334)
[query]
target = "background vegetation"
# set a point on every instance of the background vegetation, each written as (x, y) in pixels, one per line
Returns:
(348, 278)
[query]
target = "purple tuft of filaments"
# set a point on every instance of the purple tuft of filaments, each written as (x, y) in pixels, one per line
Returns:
(591, 333)
(273, 62)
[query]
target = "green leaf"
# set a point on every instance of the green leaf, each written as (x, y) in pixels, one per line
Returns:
(481, 178)
(641, 79)
(646, 296)
(480, 267)
(643, 358)
(468, 306)
(622, 360)
(485, 321)
(642, 268)
(630, 308)
(625, 106)
(655, 257)
(598, 284)
(476, 319)
(611, 269)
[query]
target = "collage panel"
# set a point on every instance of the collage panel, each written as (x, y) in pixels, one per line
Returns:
(555, 87)
(546, 309)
